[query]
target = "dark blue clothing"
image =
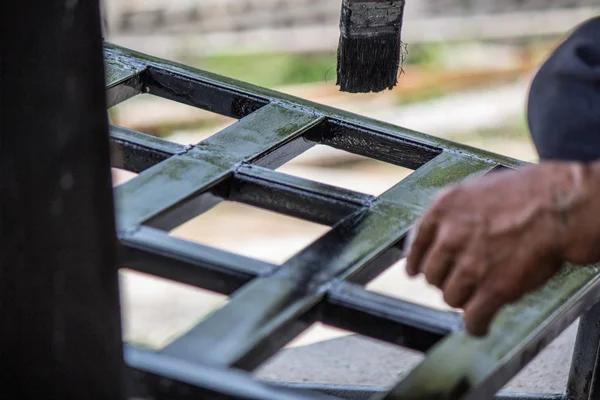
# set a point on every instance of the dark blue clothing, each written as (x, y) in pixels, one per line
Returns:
(564, 99)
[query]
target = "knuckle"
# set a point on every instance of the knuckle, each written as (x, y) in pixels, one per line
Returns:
(451, 299)
(471, 269)
(446, 245)
(502, 289)
(467, 278)
(452, 236)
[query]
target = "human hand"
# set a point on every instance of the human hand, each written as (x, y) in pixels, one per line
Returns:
(488, 241)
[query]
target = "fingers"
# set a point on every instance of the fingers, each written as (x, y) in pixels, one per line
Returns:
(460, 286)
(483, 289)
(441, 258)
(424, 234)
(438, 244)
(480, 311)
(437, 264)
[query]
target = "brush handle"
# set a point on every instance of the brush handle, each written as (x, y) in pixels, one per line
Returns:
(367, 18)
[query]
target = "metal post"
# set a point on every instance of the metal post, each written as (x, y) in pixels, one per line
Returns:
(582, 383)
(59, 301)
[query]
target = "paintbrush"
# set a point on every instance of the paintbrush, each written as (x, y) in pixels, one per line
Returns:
(370, 50)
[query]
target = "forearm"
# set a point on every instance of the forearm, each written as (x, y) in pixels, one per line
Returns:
(579, 212)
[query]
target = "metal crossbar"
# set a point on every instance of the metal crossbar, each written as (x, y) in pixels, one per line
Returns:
(269, 304)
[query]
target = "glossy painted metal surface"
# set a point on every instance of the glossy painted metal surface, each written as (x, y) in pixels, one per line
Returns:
(583, 377)
(155, 375)
(463, 367)
(269, 304)
(349, 392)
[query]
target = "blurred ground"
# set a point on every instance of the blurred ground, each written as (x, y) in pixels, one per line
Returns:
(476, 98)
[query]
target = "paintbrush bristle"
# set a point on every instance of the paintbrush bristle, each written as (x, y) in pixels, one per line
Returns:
(370, 48)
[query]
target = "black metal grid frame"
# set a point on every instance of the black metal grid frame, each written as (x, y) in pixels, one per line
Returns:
(271, 304)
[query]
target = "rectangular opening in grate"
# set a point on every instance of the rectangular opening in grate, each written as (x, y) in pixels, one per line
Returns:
(156, 311)
(170, 120)
(343, 169)
(395, 282)
(251, 232)
(327, 355)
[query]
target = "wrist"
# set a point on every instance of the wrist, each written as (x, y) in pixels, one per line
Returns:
(578, 213)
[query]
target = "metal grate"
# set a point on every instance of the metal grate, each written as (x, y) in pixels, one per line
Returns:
(270, 304)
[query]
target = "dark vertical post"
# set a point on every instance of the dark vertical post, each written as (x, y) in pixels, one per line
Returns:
(60, 335)
(582, 384)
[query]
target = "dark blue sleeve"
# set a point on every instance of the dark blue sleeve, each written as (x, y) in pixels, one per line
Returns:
(564, 99)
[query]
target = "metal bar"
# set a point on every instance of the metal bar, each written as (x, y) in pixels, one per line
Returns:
(136, 151)
(120, 68)
(154, 375)
(160, 376)
(59, 297)
(124, 79)
(154, 252)
(372, 143)
(270, 311)
(375, 267)
(582, 384)
(346, 392)
(125, 90)
(301, 198)
(202, 94)
(349, 392)
(528, 396)
(351, 307)
(480, 367)
(338, 120)
(131, 138)
(180, 179)
(167, 195)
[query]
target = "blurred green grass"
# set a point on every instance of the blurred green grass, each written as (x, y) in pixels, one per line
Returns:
(280, 69)
(272, 70)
